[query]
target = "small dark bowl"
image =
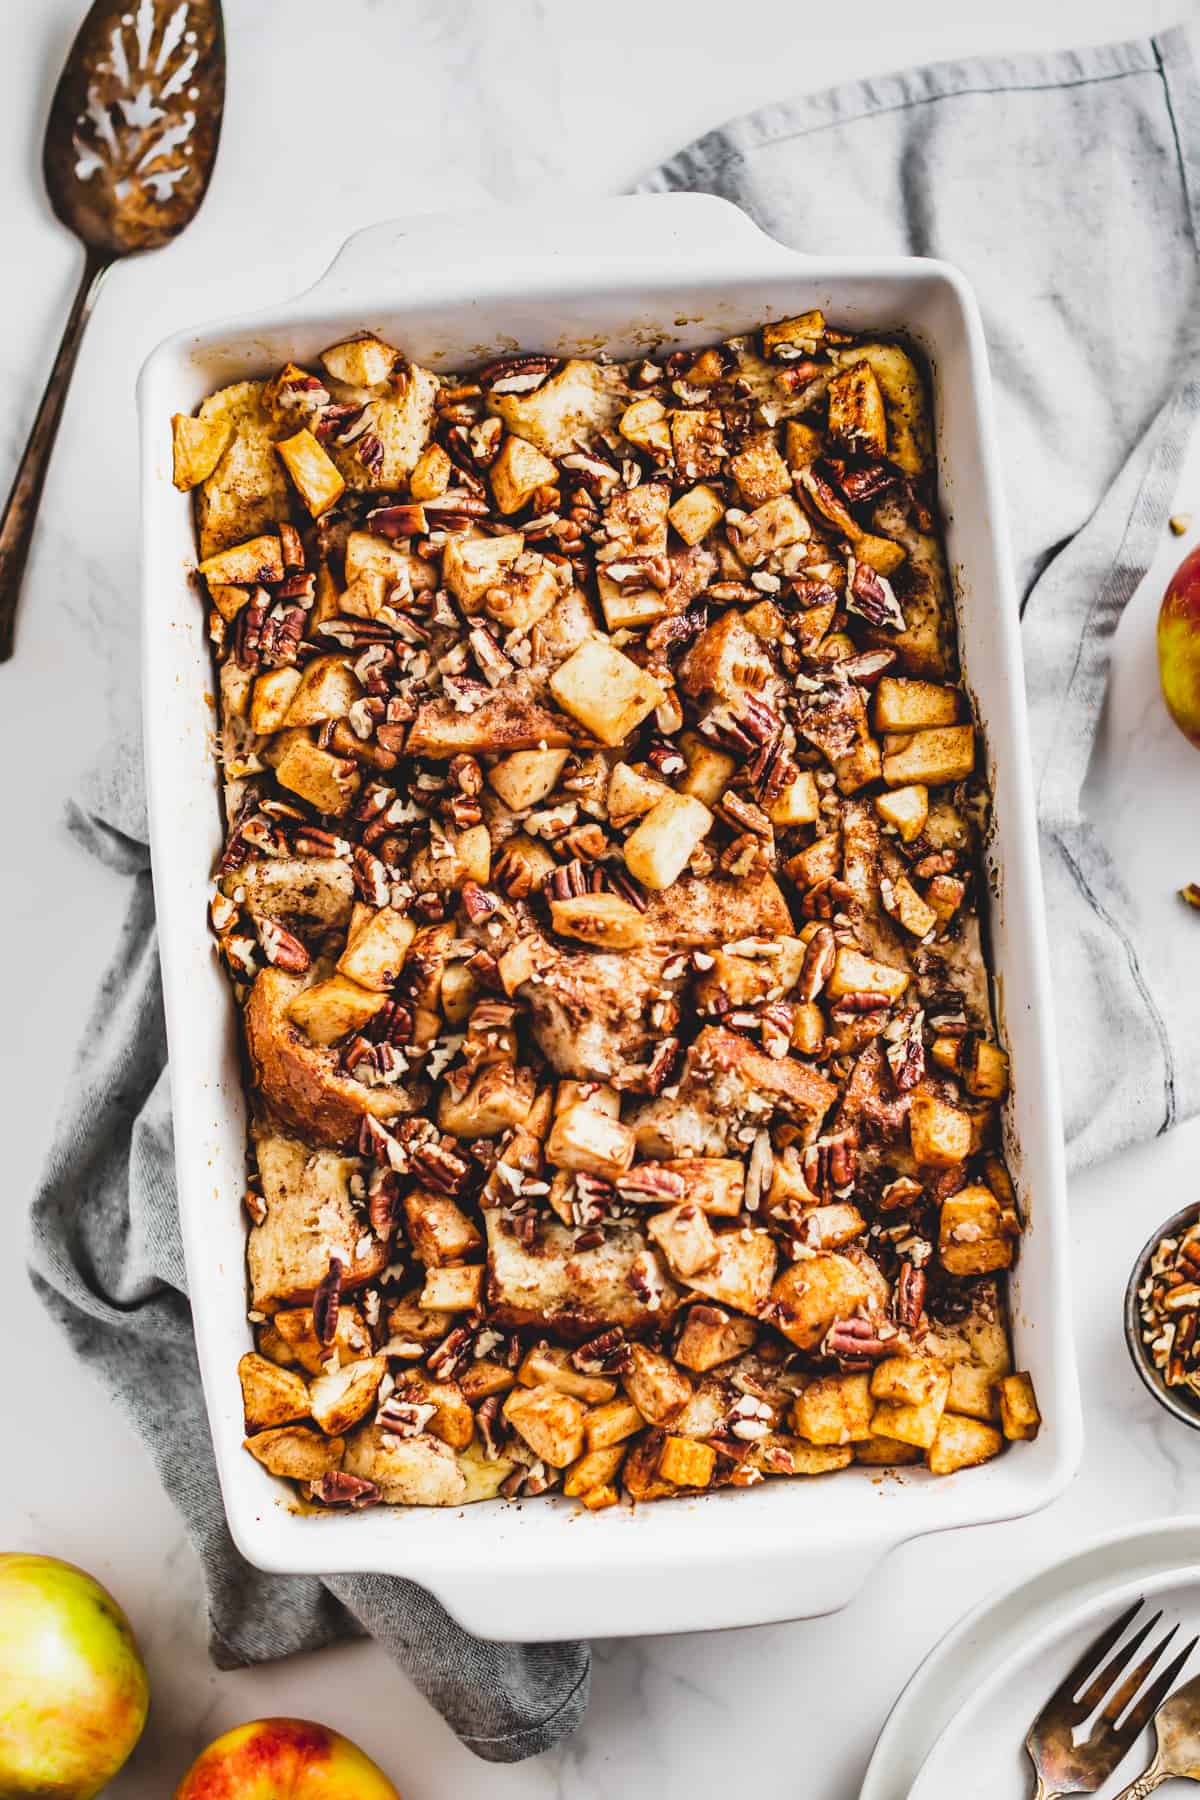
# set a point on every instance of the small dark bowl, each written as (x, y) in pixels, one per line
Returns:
(1175, 1400)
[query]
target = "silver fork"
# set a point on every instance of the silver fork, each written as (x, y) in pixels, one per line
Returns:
(1064, 1767)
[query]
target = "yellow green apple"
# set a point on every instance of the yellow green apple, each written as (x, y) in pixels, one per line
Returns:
(284, 1759)
(73, 1689)
(1179, 646)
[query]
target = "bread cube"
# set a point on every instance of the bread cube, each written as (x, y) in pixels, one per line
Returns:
(834, 1409)
(603, 920)
(375, 952)
(1019, 1415)
(296, 1452)
(612, 1423)
(548, 1365)
(498, 1098)
(798, 804)
(780, 1455)
(659, 849)
(472, 565)
(368, 553)
(770, 527)
(293, 1326)
(975, 1233)
(760, 471)
(438, 1229)
(902, 704)
(628, 608)
(327, 689)
(483, 1378)
(658, 1389)
(362, 362)
(944, 753)
(812, 1295)
(549, 1421)
(911, 1424)
(409, 1323)
(984, 1069)
(607, 693)
(573, 405)
(940, 1134)
(452, 1287)
(270, 1395)
(914, 1380)
(415, 1471)
(961, 1444)
(314, 472)
(709, 770)
(431, 474)
(584, 1139)
(716, 1184)
(906, 808)
(695, 513)
(819, 861)
(259, 559)
(685, 1237)
(273, 694)
(197, 447)
(742, 1274)
(854, 973)
(329, 783)
(342, 1396)
(518, 471)
(686, 1462)
(452, 1422)
(857, 420)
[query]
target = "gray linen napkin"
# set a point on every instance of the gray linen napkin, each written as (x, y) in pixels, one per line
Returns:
(1064, 187)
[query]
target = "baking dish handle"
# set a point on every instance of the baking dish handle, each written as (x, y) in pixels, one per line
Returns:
(680, 232)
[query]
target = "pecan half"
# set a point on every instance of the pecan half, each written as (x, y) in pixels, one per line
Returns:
(338, 1488)
(327, 1302)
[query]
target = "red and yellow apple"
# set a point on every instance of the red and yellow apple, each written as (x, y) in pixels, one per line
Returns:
(284, 1759)
(73, 1689)
(1179, 646)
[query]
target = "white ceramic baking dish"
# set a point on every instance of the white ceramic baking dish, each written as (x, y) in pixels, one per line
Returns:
(620, 276)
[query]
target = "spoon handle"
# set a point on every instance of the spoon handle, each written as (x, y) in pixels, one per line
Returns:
(1146, 1783)
(16, 527)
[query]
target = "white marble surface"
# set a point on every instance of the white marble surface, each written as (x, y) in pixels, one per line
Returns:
(432, 106)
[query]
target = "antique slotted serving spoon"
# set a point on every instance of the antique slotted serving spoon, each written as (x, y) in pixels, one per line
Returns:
(129, 150)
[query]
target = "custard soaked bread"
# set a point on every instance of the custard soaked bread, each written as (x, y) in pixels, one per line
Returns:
(600, 896)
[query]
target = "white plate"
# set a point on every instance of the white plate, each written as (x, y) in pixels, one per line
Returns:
(959, 1725)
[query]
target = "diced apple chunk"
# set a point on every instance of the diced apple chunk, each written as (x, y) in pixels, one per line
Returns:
(375, 954)
(902, 704)
(198, 446)
(612, 1424)
(686, 1462)
(363, 362)
(962, 1444)
(270, 1395)
(431, 474)
(452, 1287)
(603, 920)
(332, 1009)
(273, 694)
(498, 1098)
(526, 777)
(472, 565)
(341, 1397)
(772, 526)
(975, 1235)
(984, 1069)
(685, 1237)
(296, 1452)
(711, 1336)
(760, 472)
(944, 753)
(607, 693)
(585, 1139)
(834, 1409)
(438, 1229)
(314, 472)
(550, 1366)
(328, 782)
(327, 689)
(550, 1422)
(906, 906)
(708, 769)
(659, 849)
(798, 804)
(810, 1296)
(657, 1388)
(854, 973)
(245, 565)
(518, 471)
(1019, 1415)
(906, 808)
(940, 1134)
(632, 793)
(695, 513)
(645, 424)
